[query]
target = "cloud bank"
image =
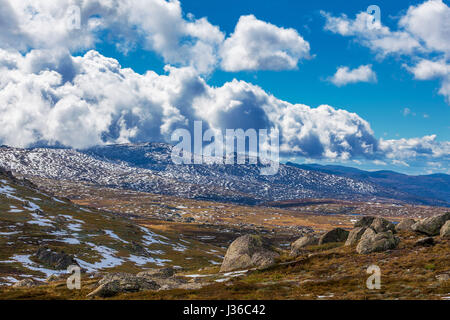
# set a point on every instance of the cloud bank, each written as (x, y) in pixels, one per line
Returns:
(83, 101)
(54, 98)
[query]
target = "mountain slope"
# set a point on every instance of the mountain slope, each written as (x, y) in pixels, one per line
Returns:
(148, 167)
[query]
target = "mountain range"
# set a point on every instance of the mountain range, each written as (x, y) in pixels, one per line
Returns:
(434, 186)
(148, 167)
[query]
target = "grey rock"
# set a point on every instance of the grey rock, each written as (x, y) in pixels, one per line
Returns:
(27, 283)
(355, 235)
(138, 249)
(364, 222)
(54, 260)
(382, 225)
(171, 283)
(445, 230)
(113, 284)
(405, 225)
(55, 277)
(39, 212)
(376, 242)
(305, 241)
(108, 277)
(157, 273)
(425, 242)
(431, 226)
(335, 235)
(155, 279)
(249, 251)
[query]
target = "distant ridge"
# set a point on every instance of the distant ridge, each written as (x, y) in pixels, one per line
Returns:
(434, 186)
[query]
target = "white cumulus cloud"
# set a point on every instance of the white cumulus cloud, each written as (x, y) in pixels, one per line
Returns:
(434, 69)
(258, 45)
(424, 147)
(377, 37)
(344, 75)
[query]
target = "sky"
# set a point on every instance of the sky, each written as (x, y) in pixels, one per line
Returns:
(340, 87)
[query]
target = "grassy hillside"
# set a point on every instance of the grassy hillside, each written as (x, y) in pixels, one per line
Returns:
(98, 240)
(330, 271)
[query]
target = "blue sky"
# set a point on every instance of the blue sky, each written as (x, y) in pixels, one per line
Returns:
(399, 104)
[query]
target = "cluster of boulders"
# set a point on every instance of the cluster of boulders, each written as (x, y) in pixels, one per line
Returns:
(372, 234)
(375, 234)
(56, 260)
(433, 226)
(335, 235)
(153, 279)
(369, 234)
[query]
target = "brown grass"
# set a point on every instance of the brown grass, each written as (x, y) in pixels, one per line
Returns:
(329, 273)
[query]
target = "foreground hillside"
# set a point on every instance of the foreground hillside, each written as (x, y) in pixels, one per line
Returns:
(330, 271)
(31, 220)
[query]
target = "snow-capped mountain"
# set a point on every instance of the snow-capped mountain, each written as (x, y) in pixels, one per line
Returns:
(148, 167)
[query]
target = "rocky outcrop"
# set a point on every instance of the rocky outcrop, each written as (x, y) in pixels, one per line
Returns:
(431, 226)
(138, 249)
(382, 225)
(249, 251)
(405, 225)
(445, 230)
(54, 260)
(27, 283)
(301, 243)
(372, 234)
(355, 235)
(153, 279)
(376, 242)
(378, 224)
(162, 273)
(364, 222)
(116, 283)
(335, 235)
